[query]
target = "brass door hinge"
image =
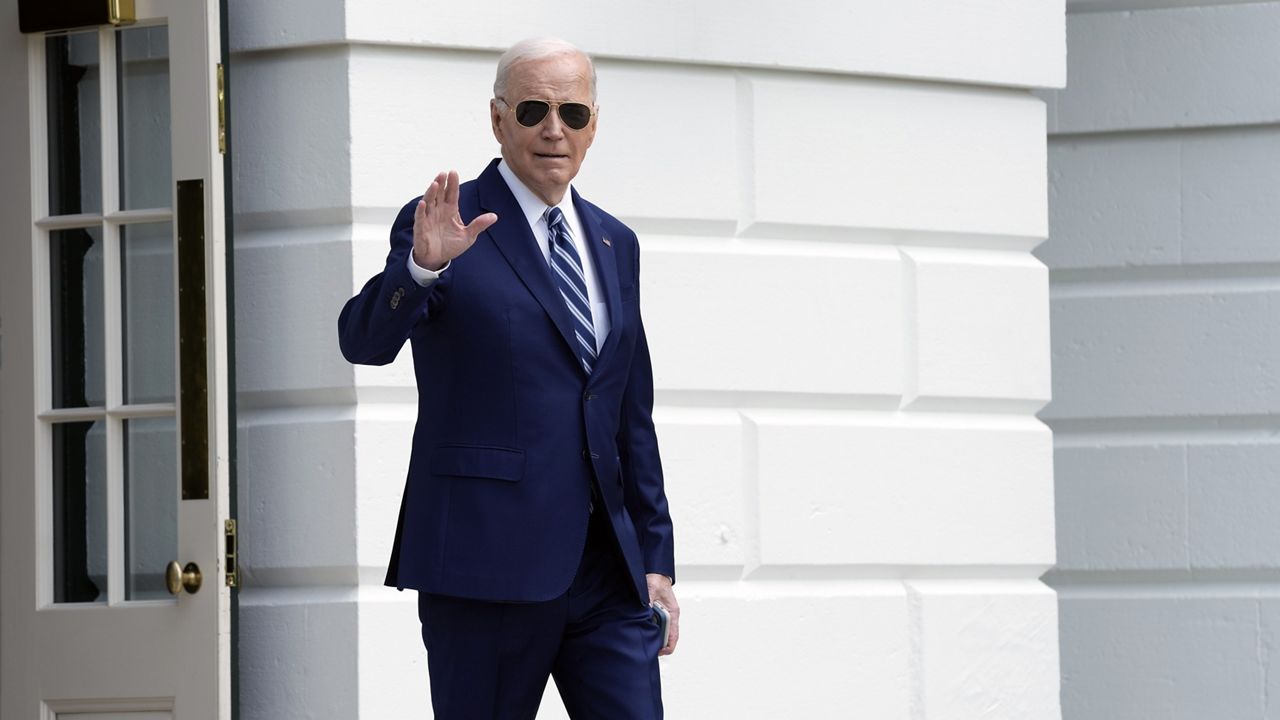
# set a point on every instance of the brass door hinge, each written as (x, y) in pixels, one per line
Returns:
(232, 564)
(222, 110)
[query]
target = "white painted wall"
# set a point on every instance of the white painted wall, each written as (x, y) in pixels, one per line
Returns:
(1165, 171)
(860, 529)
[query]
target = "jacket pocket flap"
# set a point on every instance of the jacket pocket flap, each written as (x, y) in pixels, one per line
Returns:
(478, 461)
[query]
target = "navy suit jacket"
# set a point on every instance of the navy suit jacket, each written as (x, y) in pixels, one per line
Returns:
(511, 431)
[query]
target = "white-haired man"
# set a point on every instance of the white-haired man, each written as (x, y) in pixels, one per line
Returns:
(534, 522)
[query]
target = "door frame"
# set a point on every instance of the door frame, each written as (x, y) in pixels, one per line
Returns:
(24, 368)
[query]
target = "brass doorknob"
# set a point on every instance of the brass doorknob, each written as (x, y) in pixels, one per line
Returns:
(178, 578)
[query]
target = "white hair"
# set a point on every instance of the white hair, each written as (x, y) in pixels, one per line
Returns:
(537, 48)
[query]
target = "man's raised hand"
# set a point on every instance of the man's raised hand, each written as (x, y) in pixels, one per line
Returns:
(438, 233)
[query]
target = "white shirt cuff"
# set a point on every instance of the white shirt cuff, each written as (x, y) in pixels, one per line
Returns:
(423, 276)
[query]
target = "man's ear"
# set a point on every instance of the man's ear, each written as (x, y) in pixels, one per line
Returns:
(495, 119)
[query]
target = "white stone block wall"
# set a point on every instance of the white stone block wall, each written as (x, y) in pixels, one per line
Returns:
(1164, 179)
(836, 204)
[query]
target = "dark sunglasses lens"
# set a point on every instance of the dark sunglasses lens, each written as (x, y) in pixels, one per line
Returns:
(531, 112)
(575, 115)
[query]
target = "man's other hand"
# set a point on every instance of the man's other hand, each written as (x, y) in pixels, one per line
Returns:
(438, 233)
(660, 590)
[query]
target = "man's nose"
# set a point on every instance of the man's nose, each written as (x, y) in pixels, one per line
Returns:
(553, 126)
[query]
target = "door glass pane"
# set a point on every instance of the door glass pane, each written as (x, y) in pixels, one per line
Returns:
(79, 512)
(75, 265)
(145, 174)
(150, 505)
(147, 303)
(75, 125)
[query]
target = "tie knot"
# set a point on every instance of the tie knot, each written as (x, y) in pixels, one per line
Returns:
(555, 218)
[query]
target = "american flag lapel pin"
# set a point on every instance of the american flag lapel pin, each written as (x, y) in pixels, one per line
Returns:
(608, 242)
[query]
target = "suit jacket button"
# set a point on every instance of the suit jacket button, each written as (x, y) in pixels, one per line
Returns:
(586, 454)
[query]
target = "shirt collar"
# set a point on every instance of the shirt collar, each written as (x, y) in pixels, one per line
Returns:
(531, 205)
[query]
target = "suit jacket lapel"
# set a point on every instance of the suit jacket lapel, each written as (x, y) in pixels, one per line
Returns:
(606, 270)
(516, 243)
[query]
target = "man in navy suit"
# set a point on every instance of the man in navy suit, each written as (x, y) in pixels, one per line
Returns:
(534, 523)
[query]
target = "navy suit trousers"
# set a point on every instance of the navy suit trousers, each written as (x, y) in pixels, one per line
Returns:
(491, 660)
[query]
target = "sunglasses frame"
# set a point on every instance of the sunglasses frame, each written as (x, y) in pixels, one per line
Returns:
(552, 107)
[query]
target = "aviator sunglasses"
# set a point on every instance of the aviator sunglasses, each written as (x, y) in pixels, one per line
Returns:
(529, 113)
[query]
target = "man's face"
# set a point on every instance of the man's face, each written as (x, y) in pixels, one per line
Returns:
(545, 157)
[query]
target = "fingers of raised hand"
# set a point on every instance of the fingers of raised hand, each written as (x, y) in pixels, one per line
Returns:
(451, 188)
(420, 213)
(438, 227)
(434, 191)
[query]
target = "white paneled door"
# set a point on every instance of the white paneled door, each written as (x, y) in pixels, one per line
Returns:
(117, 573)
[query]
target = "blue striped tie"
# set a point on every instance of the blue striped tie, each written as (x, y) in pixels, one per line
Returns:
(566, 268)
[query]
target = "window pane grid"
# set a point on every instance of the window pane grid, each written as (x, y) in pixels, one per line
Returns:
(109, 455)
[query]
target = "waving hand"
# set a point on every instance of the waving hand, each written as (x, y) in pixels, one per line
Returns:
(438, 233)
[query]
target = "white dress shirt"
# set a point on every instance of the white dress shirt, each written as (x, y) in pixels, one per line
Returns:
(535, 215)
